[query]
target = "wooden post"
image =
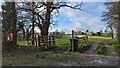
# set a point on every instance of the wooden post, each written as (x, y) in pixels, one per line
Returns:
(33, 26)
(73, 40)
(53, 40)
(38, 40)
(49, 40)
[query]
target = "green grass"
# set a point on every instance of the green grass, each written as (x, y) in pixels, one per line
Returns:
(58, 57)
(100, 39)
(101, 49)
(63, 41)
(20, 56)
(116, 45)
(117, 48)
(33, 56)
(22, 43)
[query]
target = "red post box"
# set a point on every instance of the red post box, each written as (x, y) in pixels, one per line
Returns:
(9, 37)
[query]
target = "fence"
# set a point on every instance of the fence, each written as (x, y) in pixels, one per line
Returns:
(51, 40)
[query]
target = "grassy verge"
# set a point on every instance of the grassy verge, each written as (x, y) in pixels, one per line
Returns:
(28, 56)
(101, 49)
(116, 45)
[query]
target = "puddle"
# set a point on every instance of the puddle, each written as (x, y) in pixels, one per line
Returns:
(65, 64)
(99, 62)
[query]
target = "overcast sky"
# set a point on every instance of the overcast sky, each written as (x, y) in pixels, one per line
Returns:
(89, 19)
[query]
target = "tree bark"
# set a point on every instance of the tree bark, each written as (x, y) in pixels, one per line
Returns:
(44, 31)
(112, 35)
(33, 23)
(9, 24)
(118, 24)
(118, 31)
(14, 25)
(23, 32)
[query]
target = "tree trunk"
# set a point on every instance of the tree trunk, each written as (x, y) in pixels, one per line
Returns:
(118, 31)
(44, 31)
(33, 23)
(118, 24)
(9, 24)
(14, 25)
(23, 32)
(112, 35)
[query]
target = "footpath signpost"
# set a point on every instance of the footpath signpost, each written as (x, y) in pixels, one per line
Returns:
(73, 41)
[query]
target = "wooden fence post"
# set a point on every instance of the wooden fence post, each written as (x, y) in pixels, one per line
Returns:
(38, 40)
(35, 41)
(49, 40)
(53, 40)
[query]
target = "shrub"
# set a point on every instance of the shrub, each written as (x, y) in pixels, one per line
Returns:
(116, 45)
(101, 49)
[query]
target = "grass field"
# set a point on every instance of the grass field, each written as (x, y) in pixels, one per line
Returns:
(100, 39)
(65, 40)
(28, 56)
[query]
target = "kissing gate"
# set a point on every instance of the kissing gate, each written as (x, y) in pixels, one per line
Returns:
(51, 40)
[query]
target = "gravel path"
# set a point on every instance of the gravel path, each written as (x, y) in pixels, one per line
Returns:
(92, 49)
(91, 58)
(111, 51)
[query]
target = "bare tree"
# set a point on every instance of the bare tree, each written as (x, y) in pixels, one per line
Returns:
(9, 20)
(112, 16)
(43, 12)
(110, 25)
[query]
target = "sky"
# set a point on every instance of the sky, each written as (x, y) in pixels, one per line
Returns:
(70, 19)
(89, 19)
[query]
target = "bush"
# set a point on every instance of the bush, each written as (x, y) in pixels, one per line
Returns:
(101, 49)
(117, 47)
